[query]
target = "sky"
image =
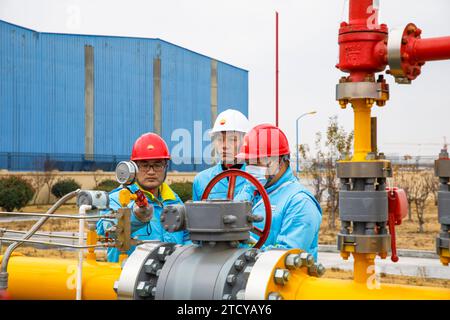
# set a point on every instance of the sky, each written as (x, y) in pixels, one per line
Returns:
(242, 33)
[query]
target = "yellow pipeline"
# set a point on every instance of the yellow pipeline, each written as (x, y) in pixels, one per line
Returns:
(45, 278)
(362, 144)
(301, 286)
(310, 288)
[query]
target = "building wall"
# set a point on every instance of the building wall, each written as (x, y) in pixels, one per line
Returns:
(43, 98)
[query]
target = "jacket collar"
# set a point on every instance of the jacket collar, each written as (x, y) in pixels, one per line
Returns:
(165, 193)
(287, 176)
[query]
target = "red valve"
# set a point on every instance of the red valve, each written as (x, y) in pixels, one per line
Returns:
(141, 200)
(397, 209)
(232, 174)
(4, 295)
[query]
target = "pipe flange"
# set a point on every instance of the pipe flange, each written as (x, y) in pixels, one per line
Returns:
(364, 243)
(366, 169)
(273, 271)
(442, 168)
(349, 91)
(402, 67)
(238, 274)
(141, 271)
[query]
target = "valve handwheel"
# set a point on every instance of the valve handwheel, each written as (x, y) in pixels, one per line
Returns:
(232, 174)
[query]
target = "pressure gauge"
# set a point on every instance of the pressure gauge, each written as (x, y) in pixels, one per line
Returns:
(126, 172)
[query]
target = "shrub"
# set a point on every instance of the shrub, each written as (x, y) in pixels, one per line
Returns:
(63, 187)
(15, 193)
(107, 185)
(183, 189)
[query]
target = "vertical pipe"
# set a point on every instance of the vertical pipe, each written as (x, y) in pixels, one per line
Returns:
(362, 143)
(213, 102)
(360, 11)
(296, 142)
(157, 96)
(276, 68)
(213, 91)
(79, 285)
(363, 267)
(91, 240)
(373, 138)
(88, 102)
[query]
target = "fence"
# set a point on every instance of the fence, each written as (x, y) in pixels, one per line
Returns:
(79, 162)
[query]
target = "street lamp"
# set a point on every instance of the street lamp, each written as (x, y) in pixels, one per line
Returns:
(296, 133)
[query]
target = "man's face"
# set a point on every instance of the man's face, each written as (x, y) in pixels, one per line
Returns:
(272, 164)
(151, 173)
(227, 145)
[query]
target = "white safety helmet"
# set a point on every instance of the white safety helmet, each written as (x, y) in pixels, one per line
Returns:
(231, 120)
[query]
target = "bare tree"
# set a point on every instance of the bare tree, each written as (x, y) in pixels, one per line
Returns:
(49, 176)
(98, 177)
(313, 168)
(422, 187)
(338, 145)
(38, 182)
(404, 178)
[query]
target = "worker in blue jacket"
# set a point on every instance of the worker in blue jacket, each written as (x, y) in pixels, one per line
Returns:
(151, 155)
(227, 135)
(296, 214)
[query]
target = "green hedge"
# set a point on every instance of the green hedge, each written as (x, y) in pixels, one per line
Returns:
(15, 193)
(64, 186)
(107, 185)
(183, 189)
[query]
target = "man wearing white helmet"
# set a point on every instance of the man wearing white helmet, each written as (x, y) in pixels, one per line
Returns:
(227, 136)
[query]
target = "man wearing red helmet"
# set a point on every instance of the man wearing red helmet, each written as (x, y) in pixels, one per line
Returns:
(151, 155)
(296, 214)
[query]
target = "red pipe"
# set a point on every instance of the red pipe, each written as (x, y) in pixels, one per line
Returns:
(360, 11)
(276, 68)
(432, 49)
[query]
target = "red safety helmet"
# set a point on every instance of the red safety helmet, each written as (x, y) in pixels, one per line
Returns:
(264, 140)
(150, 146)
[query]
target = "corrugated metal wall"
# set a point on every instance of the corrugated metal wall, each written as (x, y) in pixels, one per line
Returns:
(42, 95)
(233, 88)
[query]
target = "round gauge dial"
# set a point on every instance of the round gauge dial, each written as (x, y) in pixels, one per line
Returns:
(126, 172)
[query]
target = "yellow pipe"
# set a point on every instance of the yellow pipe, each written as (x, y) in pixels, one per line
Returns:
(91, 240)
(301, 286)
(45, 278)
(363, 267)
(310, 288)
(122, 257)
(362, 138)
(445, 256)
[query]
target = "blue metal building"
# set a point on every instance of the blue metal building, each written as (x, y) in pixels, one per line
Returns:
(78, 102)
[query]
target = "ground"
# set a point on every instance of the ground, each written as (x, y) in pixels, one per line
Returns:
(408, 237)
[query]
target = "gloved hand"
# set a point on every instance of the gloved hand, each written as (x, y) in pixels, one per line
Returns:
(143, 214)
